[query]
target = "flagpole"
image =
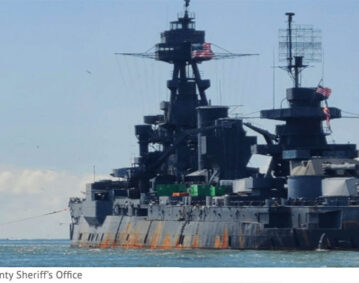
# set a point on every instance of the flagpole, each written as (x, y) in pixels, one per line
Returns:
(322, 66)
(273, 94)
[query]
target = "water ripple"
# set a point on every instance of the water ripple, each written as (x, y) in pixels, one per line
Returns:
(57, 253)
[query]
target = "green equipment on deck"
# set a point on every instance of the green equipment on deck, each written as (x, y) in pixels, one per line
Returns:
(169, 189)
(206, 190)
(217, 191)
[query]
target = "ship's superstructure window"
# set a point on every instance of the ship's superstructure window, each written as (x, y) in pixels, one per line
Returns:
(176, 25)
(166, 49)
(101, 196)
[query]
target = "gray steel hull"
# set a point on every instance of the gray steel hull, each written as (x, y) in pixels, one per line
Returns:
(138, 232)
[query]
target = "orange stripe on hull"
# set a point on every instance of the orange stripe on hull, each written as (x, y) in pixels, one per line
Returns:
(217, 242)
(156, 235)
(167, 242)
(196, 243)
(106, 243)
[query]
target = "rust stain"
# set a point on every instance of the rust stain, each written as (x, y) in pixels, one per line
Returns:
(114, 244)
(136, 238)
(178, 245)
(167, 242)
(217, 242)
(136, 244)
(132, 241)
(128, 241)
(123, 235)
(154, 241)
(127, 227)
(241, 241)
(195, 243)
(84, 245)
(105, 243)
(156, 235)
(222, 244)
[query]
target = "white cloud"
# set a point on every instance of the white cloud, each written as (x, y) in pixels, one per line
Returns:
(25, 181)
(30, 192)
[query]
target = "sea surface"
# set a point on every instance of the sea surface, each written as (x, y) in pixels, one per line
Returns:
(57, 253)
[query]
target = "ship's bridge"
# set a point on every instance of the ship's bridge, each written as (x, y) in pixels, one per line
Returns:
(177, 42)
(185, 21)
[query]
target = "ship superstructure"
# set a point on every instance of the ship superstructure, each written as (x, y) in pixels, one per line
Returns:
(196, 190)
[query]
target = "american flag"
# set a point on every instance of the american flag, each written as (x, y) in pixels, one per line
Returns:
(325, 91)
(327, 115)
(203, 51)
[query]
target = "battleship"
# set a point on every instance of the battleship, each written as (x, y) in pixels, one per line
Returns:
(191, 186)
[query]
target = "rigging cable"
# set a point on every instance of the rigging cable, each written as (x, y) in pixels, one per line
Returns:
(351, 113)
(33, 217)
(121, 74)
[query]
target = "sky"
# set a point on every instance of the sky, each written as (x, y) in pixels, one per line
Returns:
(68, 103)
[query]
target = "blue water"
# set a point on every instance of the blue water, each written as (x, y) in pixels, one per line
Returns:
(57, 253)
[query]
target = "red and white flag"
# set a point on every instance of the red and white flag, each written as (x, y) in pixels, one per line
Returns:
(327, 115)
(203, 51)
(325, 91)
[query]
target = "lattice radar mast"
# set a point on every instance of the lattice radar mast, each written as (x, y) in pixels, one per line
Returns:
(299, 45)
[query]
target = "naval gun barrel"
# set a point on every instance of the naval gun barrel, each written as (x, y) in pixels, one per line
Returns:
(268, 136)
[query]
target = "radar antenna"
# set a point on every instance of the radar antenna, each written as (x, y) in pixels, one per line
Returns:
(186, 3)
(301, 43)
